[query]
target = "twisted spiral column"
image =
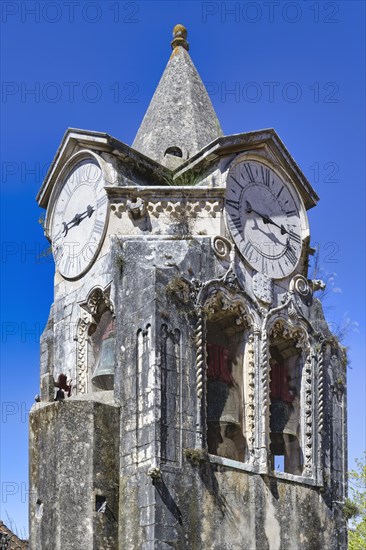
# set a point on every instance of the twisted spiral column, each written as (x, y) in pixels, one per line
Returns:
(265, 372)
(200, 366)
(320, 415)
(200, 354)
(264, 412)
(320, 391)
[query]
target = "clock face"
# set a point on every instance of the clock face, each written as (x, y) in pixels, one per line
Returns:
(79, 219)
(264, 218)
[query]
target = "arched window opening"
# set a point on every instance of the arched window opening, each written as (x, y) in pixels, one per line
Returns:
(225, 354)
(174, 151)
(102, 351)
(285, 406)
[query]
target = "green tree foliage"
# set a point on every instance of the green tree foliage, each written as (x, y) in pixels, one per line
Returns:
(356, 506)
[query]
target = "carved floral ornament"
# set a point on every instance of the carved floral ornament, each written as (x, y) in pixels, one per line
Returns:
(96, 297)
(281, 328)
(219, 303)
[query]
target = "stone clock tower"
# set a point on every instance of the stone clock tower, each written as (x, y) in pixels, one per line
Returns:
(192, 395)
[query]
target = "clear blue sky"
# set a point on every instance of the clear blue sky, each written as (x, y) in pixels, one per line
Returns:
(295, 66)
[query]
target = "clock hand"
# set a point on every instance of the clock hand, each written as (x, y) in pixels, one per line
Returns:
(269, 235)
(265, 218)
(77, 219)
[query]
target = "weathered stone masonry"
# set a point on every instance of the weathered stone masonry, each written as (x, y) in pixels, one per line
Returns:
(225, 425)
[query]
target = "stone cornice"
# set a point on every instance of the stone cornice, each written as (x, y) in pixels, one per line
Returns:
(153, 192)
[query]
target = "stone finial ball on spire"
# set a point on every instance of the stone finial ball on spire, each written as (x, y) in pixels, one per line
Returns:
(179, 37)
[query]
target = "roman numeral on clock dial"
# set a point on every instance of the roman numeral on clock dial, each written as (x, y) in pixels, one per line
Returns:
(233, 203)
(249, 171)
(290, 255)
(249, 251)
(265, 175)
(102, 200)
(295, 237)
(98, 227)
(237, 183)
(236, 222)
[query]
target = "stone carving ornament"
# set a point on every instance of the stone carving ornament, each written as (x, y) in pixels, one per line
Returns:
(137, 208)
(222, 247)
(96, 298)
(263, 288)
(301, 288)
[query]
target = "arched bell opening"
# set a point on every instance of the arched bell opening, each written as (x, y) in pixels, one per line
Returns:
(226, 341)
(102, 350)
(286, 366)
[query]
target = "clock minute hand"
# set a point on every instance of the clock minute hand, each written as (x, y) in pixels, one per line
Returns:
(78, 218)
(265, 218)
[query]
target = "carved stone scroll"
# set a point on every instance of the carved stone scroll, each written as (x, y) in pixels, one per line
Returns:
(222, 248)
(301, 287)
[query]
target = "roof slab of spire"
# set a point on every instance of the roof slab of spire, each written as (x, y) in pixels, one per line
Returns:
(180, 119)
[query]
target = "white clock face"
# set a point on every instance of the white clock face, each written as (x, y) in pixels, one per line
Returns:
(79, 218)
(264, 218)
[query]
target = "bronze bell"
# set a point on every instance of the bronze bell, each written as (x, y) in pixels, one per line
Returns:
(103, 377)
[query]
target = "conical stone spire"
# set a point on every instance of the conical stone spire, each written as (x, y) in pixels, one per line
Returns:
(180, 119)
